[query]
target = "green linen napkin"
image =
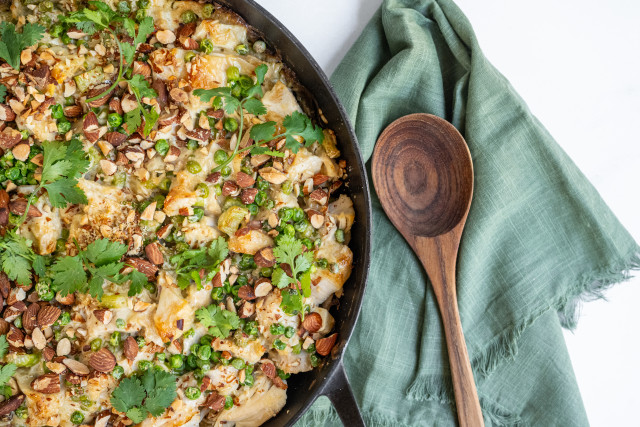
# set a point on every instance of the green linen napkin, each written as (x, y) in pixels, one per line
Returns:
(538, 240)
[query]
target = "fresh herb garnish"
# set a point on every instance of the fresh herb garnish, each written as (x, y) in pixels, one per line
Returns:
(6, 371)
(291, 251)
(89, 269)
(18, 259)
(101, 19)
(12, 43)
(219, 321)
(144, 394)
(3, 92)
(189, 263)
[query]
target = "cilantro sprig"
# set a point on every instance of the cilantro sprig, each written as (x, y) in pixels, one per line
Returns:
(102, 19)
(18, 259)
(291, 251)
(6, 371)
(144, 394)
(189, 263)
(89, 269)
(3, 92)
(13, 43)
(219, 321)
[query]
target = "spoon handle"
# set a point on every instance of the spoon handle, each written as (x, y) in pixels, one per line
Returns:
(438, 256)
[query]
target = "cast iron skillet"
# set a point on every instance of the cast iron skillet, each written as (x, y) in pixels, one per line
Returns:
(330, 380)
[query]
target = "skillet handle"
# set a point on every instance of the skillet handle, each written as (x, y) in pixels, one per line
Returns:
(339, 392)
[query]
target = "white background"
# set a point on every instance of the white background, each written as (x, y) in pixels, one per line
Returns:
(577, 64)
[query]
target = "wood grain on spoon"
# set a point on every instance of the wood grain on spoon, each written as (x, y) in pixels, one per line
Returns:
(423, 174)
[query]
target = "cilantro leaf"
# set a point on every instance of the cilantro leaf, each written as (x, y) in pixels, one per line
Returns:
(104, 251)
(299, 124)
(146, 27)
(150, 119)
(3, 92)
(129, 393)
(261, 71)
(266, 150)
(255, 106)
(220, 322)
(189, 263)
(291, 251)
(4, 346)
(17, 257)
(130, 27)
(12, 43)
(64, 192)
(218, 250)
(263, 132)
(6, 372)
(157, 389)
(133, 120)
(62, 167)
(128, 52)
(140, 87)
(279, 278)
(138, 280)
(68, 275)
(231, 103)
(292, 302)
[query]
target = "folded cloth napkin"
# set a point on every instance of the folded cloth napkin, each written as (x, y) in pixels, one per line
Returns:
(538, 238)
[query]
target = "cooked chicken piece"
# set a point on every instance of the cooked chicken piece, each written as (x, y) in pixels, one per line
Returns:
(250, 243)
(326, 281)
(181, 413)
(171, 308)
(44, 409)
(46, 229)
(280, 102)
(210, 71)
(198, 234)
(223, 35)
(291, 363)
(304, 166)
(168, 64)
(255, 405)
(342, 212)
(251, 352)
(224, 379)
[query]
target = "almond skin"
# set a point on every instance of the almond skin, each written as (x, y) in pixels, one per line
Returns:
(152, 251)
(15, 337)
(143, 266)
(18, 206)
(230, 188)
(130, 348)
(215, 402)
(246, 293)
(320, 196)
(244, 180)
(48, 354)
(12, 404)
(91, 127)
(29, 317)
(76, 367)
(46, 384)
(4, 199)
(48, 315)
(5, 285)
(268, 368)
(103, 315)
(248, 195)
(103, 360)
(312, 322)
(324, 345)
(319, 179)
(265, 258)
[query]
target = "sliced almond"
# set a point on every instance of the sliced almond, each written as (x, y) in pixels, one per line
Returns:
(272, 175)
(64, 347)
(166, 36)
(262, 288)
(154, 254)
(39, 341)
(76, 367)
(108, 167)
(48, 315)
(324, 345)
(46, 384)
(21, 152)
(56, 367)
(103, 315)
(102, 360)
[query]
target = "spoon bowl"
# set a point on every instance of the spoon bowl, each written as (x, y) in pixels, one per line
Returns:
(423, 174)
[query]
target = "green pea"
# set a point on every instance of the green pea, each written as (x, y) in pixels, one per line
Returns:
(246, 262)
(22, 412)
(339, 235)
(261, 198)
(96, 344)
(160, 357)
(141, 341)
(282, 374)
(225, 171)
(165, 184)
(203, 364)
(270, 204)
(296, 348)
(289, 230)
(289, 331)
(192, 360)
(277, 329)
(56, 31)
(236, 90)
(18, 322)
(115, 339)
(233, 74)
(189, 333)
(287, 187)
(315, 360)
(206, 46)
(249, 379)
(65, 39)
(192, 393)
(143, 4)
(77, 417)
(245, 82)
(198, 213)
(298, 215)
(194, 167)
(253, 208)
(217, 294)
(220, 156)
(159, 199)
(202, 190)
(242, 280)
(64, 318)
(266, 271)
(259, 46)
(114, 120)
(204, 352)
(285, 214)
(64, 126)
(25, 134)
(188, 16)
(311, 348)
(162, 147)
(279, 344)
(207, 10)
(124, 8)
(176, 361)
(118, 372)
(144, 365)
(192, 144)
(242, 49)
(120, 323)
(228, 402)
(44, 289)
(262, 184)
(188, 56)
(217, 103)
(46, 6)
(301, 226)
(230, 124)
(308, 243)
(194, 348)
(238, 363)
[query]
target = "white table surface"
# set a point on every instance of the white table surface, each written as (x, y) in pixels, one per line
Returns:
(577, 64)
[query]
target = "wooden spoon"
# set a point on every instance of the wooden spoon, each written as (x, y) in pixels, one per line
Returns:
(423, 174)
